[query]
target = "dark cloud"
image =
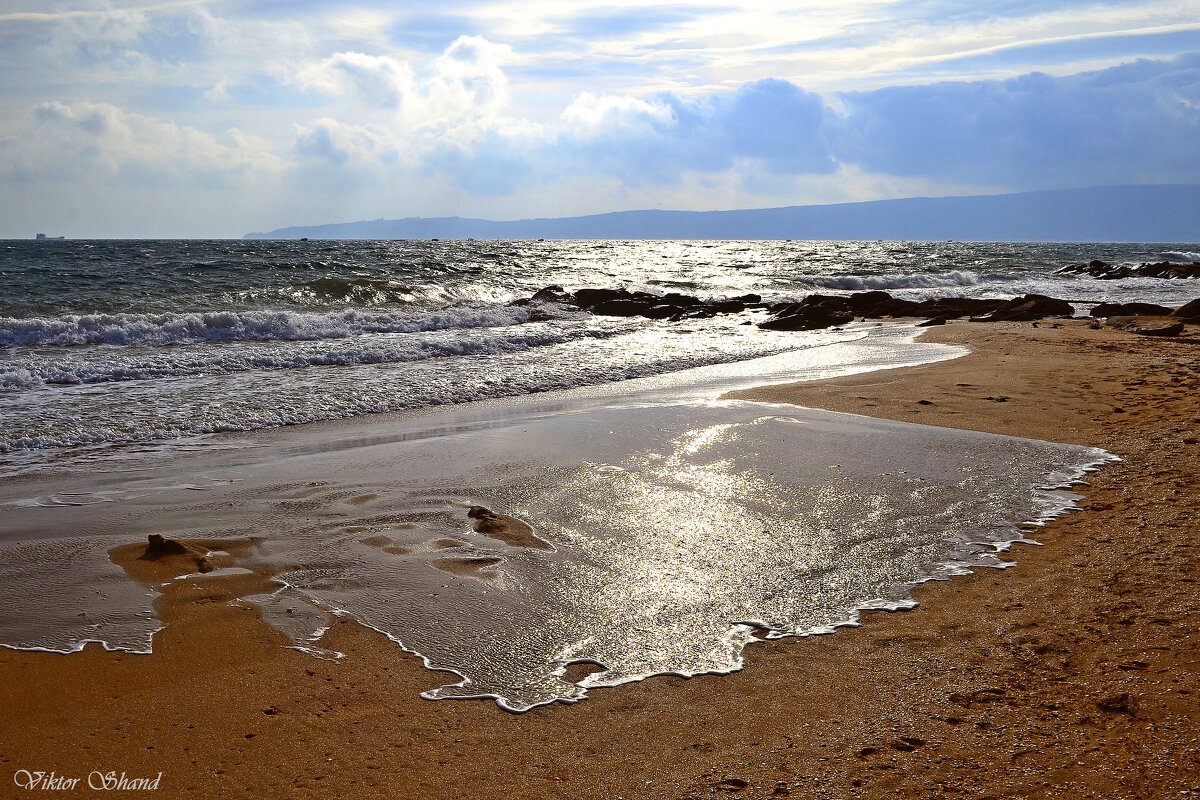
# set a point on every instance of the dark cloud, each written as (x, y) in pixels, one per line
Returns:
(1138, 122)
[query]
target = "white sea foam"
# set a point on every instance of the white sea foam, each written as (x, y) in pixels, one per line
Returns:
(901, 281)
(101, 366)
(229, 326)
(1182, 255)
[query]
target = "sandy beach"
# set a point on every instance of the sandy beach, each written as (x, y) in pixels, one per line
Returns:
(1075, 673)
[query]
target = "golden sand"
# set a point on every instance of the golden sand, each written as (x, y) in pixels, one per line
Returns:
(1075, 673)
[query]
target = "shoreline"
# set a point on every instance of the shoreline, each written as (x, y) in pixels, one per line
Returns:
(991, 685)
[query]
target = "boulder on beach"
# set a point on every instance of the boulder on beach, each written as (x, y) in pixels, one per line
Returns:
(812, 313)
(1129, 310)
(1148, 326)
(1028, 308)
(159, 546)
(1188, 312)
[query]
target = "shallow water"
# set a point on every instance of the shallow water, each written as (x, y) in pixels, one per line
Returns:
(678, 527)
(113, 347)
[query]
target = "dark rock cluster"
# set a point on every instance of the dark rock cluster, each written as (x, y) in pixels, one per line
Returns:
(1130, 310)
(821, 311)
(624, 303)
(1110, 272)
(1188, 312)
(813, 312)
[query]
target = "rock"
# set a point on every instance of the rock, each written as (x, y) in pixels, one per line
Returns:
(1168, 269)
(160, 546)
(1097, 269)
(1189, 312)
(217, 559)
(732, 785)
(1117, 704)
(810, 314)
(621, 308)
(894, 307)
(551, 293)
(1129, 310)
(660, 312)
(865, 303)
(1029, 308)
(953, 307)
(510, 530)
(929, 323)
(907, 744)
(1159, 269)
(1148, 326)
(748, 299)
(680, 300)
(586, 298)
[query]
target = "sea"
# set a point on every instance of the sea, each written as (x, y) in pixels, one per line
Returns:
(354, 399)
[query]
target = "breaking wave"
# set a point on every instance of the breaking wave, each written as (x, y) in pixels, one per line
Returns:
(231, 326)
(901, 281)
(73, 368)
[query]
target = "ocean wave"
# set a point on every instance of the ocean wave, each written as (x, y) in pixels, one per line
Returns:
(364, 291)
(98, 367)
(232, 326)
(900, 281)
(1185, 256)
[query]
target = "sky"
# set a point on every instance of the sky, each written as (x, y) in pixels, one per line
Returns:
(212, 118)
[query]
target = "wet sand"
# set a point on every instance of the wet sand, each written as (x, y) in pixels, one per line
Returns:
(1075, 673)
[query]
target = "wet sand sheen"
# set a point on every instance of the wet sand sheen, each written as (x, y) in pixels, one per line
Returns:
(949, 701)
(478, 568)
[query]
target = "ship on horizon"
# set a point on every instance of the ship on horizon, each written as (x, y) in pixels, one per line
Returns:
(41, 237)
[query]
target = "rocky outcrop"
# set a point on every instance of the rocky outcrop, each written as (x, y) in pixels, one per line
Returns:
(1028, 308)
(1188, 312)
(624, 303)
(814, 312)
(1129, 310)
(1109, 272)
(1148, 326)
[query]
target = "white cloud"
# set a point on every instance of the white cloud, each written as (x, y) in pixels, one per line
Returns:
(341, 144)
(83, 141)
(380, 81)
(468, 79)
(592, 115)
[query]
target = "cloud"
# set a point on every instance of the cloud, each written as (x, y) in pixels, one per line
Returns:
(340, 144)
(469, 76)
(465, 83)
(771, 123)
(1133, 123)
(90, 141)
(380, 81)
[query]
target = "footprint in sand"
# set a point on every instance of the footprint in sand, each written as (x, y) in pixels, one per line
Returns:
(302, 493)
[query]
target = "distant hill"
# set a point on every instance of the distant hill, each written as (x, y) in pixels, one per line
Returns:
(1164, 213)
